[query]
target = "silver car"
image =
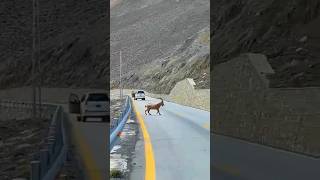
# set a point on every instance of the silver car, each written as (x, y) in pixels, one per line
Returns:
(93, 104)
(140, 95)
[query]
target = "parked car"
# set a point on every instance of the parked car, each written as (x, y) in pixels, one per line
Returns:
(140, 95)
(93, 104)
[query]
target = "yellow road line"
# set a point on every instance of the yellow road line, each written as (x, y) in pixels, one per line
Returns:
(206, 125)
(86, 155)
(150, 170)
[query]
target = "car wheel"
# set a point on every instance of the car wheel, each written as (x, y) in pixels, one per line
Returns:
(105, 119)
(143, 99)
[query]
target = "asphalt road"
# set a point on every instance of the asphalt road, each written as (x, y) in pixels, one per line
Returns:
(235, 159)
(181, 149)
(91, 139)
(180, 140)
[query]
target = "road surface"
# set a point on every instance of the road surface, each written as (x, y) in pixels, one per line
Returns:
(181, 150)
(180, 142)
(91, 139)
(235, 159)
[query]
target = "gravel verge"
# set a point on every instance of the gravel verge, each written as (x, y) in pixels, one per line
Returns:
(20, 140)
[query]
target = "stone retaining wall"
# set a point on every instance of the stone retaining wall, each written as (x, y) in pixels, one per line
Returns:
(245, 107)
(184, 93)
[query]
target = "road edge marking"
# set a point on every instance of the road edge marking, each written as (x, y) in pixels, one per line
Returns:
(206, 125)
(86, 155)
(150, 170)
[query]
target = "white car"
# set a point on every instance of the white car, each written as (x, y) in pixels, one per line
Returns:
(96, 105)
(140, 95)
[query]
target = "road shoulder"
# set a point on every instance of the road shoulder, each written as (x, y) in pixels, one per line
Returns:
(150, 169)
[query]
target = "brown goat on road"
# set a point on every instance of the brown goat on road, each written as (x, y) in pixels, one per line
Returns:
(154, 106)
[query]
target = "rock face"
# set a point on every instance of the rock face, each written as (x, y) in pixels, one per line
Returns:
(274, 28)
(74, 37)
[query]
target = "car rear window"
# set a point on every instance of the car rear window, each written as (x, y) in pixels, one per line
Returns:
(140, 92)
(98, 97)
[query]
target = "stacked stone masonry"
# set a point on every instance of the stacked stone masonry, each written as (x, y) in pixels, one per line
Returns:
(245, 107)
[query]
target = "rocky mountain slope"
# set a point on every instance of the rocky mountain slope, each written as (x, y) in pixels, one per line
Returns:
(149, 33)
(191, 59)
(74, 43)
(287, 31)
(74, 38)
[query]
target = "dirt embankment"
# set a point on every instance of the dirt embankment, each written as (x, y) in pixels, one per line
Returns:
(20, 140)
(287, 31)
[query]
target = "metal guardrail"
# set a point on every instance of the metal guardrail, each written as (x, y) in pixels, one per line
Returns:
(46, 164)
(119, 124)
(52, 157)
(25, 107)
(115, 123)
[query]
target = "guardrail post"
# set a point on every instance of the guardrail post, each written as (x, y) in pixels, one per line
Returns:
(51, 151)
(35, 170)
(44, 160)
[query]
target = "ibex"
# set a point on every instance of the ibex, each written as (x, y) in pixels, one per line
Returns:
(154, 106)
